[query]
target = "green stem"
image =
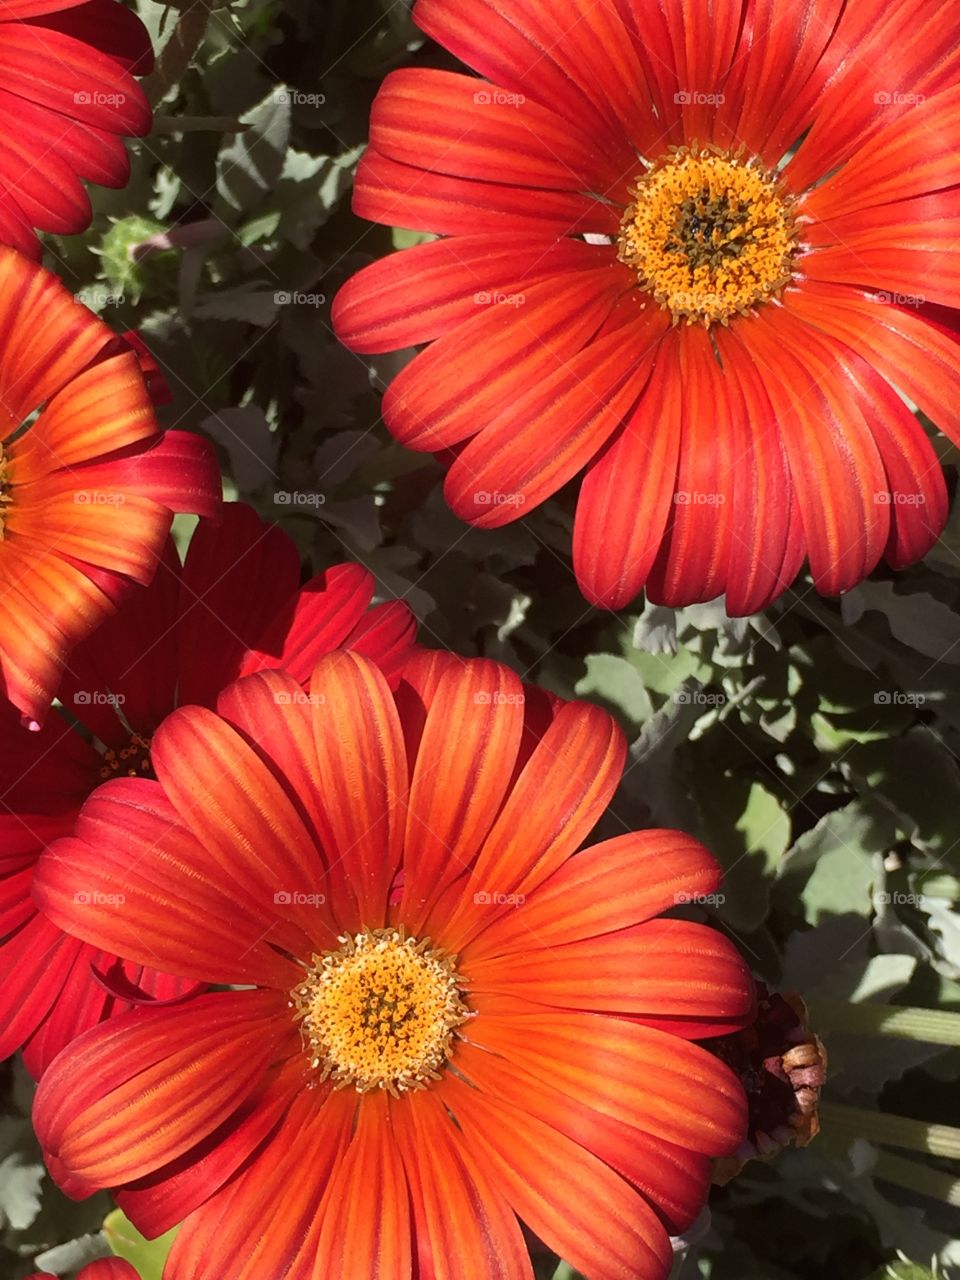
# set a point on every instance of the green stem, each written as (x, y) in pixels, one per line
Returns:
(894, 1131)
(917, 1177)
(932, 1026)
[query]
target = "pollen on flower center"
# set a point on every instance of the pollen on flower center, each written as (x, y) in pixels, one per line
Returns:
(5, 495)
(131, 761)
(380, 1012)
(709, 235)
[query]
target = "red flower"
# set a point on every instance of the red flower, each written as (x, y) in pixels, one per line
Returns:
(88, 488)
(233, 608)
(449, 1022)
(68, 101)
(641, 278)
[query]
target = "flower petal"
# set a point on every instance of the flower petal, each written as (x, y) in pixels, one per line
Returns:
(458, 1209)
(627, 493)
(463, 768)
(573, 1201)
(121, 885)
(478, 370)
(605, 888)
(658, 971)
(362, 768)
(127, 1097)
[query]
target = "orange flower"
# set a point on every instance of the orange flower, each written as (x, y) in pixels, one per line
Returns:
(690, 252)
(451, 1019)
(88, 486)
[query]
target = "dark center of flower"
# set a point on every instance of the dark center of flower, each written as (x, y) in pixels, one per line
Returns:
(380, 1012)
(709, 235)
(131, 761)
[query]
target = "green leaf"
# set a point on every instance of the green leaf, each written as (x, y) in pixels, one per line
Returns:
(616, 682)
(251, 165)
(917, 619)
(917, 779)
(147, 1256)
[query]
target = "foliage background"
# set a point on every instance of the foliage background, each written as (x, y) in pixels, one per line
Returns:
(813, 748)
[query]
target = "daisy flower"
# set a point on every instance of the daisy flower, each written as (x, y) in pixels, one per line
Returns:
(691, 254)
(445, 1020)
(235, 606)
(88, 483)
(68, 101)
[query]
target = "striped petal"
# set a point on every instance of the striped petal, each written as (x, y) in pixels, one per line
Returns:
(130, 1096)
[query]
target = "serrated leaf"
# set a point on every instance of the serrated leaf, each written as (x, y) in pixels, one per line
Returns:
(250, 165)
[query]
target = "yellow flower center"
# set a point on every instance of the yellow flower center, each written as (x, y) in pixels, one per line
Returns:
(709, 235)
(380, 1012)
